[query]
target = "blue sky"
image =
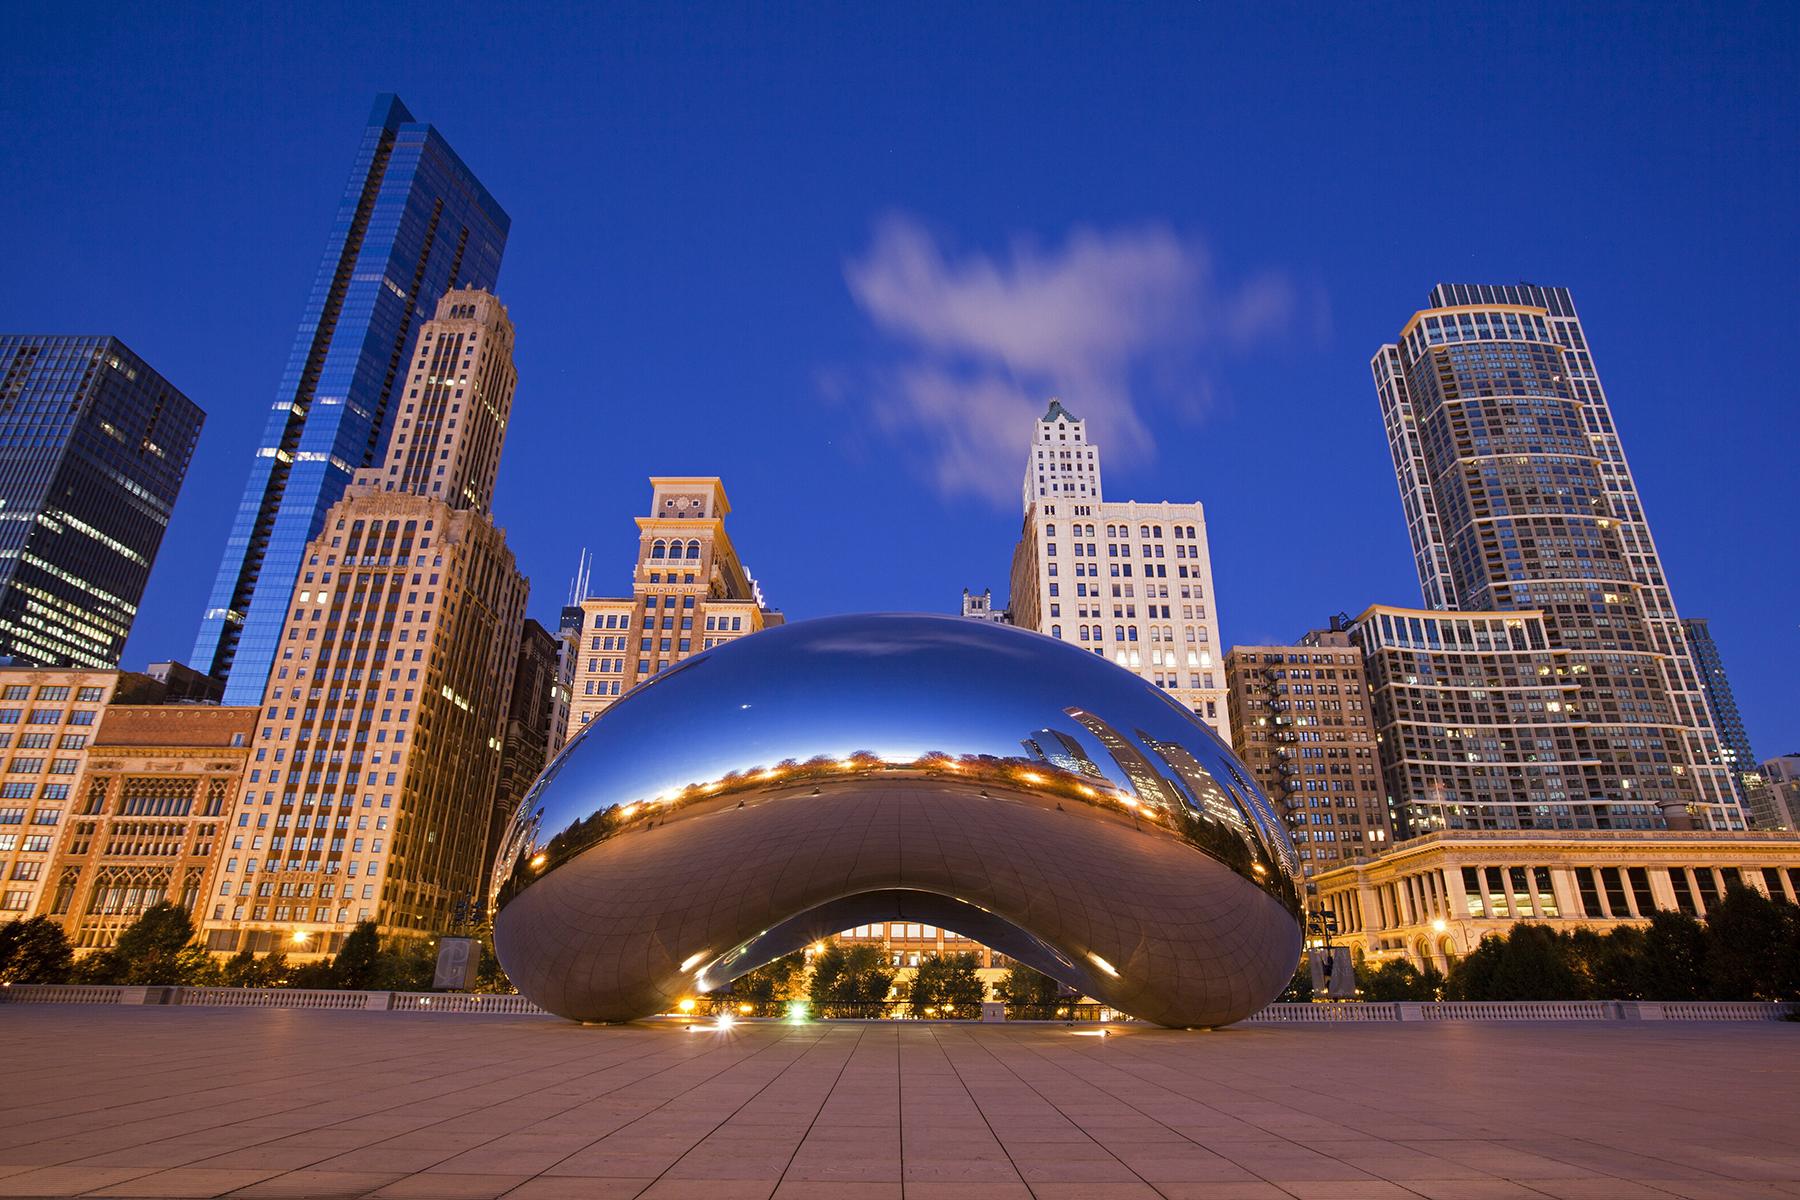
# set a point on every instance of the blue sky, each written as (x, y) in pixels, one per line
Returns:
(831, 253)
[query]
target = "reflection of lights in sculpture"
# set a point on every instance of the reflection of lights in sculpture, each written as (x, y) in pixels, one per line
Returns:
(769, 793)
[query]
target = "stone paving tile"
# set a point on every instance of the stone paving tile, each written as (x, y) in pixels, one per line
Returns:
(173, 1102)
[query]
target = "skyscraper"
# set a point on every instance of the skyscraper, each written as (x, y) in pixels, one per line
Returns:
(1734, 739)
(413, 223)
(93, 449)
(689, 593)
(1300, 721)
(1518, 497)
(378, 764)
(1131, 582)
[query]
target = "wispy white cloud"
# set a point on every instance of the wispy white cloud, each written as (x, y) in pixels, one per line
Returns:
(1118, 323)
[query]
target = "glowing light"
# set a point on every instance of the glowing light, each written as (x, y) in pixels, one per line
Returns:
(625, 813)
(1103, 964)
(725, 1021)
(1439, 925)
(745, 1009)
(300, 937)
(1084, 789)
(538, 861)
(796, 1010)
(1030, 777)
(686, 1006)
(688, 962)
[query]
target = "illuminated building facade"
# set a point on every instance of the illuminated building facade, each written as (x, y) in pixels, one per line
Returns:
(1734, 740)
(1433, 899)
(94, 446)
(689, 592)
(1300, 719)
(1775, 794)
(371, 791)
(413, 222)
(147, 814)
(1127, 581)
(1518, 498)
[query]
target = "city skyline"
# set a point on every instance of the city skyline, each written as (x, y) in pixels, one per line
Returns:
(790, 440)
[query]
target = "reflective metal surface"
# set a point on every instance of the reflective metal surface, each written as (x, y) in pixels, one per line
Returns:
(847, 770)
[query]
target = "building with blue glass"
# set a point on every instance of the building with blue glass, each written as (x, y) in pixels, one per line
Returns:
(1734, 740)
(94, 445)
(413, 223)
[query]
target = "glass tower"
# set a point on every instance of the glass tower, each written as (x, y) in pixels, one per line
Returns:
(1734, 740)
(1518, 497)
(413, 223)
(93, 448)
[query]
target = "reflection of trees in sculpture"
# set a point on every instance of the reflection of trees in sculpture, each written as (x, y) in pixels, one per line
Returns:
(1209, 815)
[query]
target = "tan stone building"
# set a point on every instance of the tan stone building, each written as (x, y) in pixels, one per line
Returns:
(1774, 800)
(1300, 719)
(689, 592)
(48, 717)
(147, 814)
(371, 790)
(1433, 898)
(1131, 582)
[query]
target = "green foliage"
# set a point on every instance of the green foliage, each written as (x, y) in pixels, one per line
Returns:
(1752, 947)
(1028, 987)
(946, 979)
(1397, 979)
(778, 980)
(1299, 989)
(246, 970)
(358, 962)
(34, 951)
(1747, 949)
(858, 975)
(157, 949)
(490, 977)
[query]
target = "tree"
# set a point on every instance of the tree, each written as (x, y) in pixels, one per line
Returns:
(771, 982)
(156, 949)
(859, 975)
(358, 962)
(490, 976)
(246, 970)
(1611, 965)
(946, 980)
(1674, 957)
(1529, 962)
(1398, 979)
(1026, 987)
(1299, 989)
(1752, 947)
(34, 951)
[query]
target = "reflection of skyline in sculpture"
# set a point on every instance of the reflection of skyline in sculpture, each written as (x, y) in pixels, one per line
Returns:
(1151, 786)
(811, 779)
(1069, 754)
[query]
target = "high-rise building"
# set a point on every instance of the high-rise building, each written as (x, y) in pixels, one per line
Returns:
(413, 223)
(979, 606)
(1131, 582)
(1518, 499)
(93, 449)
(536, 715)
(1734, 740)
(1775, 794)
(1300, 719)
(47, 719)
(371, 791)
(689, 593)
(148, 813)
(1485, 723)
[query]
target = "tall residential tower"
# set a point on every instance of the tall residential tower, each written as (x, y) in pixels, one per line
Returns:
(93, 449)
(413, 223)
(1518, 500)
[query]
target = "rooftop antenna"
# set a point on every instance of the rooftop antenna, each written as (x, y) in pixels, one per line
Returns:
(578, 585)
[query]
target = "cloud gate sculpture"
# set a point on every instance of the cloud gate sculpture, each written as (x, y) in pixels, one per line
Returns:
(850, 770)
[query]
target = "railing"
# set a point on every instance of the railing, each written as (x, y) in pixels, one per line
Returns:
(507, 1004)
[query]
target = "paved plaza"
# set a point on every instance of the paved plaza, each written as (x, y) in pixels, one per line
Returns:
(283, 1103)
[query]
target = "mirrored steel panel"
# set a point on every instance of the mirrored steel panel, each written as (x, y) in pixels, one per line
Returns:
(847, 770)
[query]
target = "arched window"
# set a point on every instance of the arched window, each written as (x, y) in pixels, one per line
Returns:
(693, 549)
(1132, 636)
(1118, 633)
(658, 548)
(1056, 631)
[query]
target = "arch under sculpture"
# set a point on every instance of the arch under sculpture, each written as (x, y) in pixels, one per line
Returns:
(850, 770)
